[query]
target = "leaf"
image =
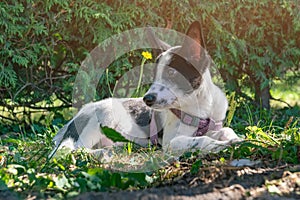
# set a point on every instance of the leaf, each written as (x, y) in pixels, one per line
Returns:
(113, 135)
(93, 171)
(116, 180)
(195, 167)
(61, 182)
(233, 49)
(141, 178)
(8, 76)
(16, 169)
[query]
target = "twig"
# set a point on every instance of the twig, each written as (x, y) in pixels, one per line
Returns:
(20, 90)
(272, 98)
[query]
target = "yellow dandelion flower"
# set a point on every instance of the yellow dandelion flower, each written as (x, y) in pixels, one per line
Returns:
(147, 55)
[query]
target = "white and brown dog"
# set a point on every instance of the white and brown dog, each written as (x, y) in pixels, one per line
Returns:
(183, 109)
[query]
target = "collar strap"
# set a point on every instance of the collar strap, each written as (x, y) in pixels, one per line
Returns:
(203, 125)
(153, 130)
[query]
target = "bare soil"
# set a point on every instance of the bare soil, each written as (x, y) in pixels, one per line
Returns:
(281, 182)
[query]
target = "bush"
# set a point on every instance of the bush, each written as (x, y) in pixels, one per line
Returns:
(254, 43)
(43, 42)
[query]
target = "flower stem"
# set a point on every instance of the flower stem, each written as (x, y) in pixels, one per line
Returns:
(140, 77)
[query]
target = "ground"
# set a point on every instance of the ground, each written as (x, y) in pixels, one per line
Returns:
(281, 182)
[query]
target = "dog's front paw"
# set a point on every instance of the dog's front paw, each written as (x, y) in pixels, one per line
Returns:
(227, 134)
(204, 143)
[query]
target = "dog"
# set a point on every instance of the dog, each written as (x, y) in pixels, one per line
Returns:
(183, 109)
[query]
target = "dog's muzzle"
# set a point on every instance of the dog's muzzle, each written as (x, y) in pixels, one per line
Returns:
(150, 99)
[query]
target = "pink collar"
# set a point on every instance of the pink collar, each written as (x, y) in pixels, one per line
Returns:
(203, 125)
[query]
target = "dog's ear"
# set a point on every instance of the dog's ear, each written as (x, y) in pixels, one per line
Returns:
(155, 42)
(192, 44)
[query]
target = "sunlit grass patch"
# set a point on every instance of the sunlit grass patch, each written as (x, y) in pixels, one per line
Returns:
(139, 160)
(287, 92)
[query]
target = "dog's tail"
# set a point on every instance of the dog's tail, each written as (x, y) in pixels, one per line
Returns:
(53, 152)
(60, 140)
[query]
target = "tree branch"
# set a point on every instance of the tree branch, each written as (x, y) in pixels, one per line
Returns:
(280, 100)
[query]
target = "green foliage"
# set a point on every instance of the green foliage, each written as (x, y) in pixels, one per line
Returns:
(25, 168)
(113, 135)
(196, 166)
(253, 42)
(231, 109)
(43, 43)
(270, 136)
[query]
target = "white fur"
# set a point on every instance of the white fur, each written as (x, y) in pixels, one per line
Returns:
(108, 112)
(208, 101)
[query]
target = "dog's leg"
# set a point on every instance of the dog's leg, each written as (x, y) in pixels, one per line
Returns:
(224, 134)
(205, 144)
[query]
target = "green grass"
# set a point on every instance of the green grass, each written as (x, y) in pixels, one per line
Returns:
(272, 137)
(291, 94)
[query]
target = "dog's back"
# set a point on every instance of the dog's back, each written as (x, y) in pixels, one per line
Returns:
(129, 116)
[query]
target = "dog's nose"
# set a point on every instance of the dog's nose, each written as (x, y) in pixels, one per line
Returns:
(150, 99)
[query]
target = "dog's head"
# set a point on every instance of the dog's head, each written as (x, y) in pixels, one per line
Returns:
(179, 71)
